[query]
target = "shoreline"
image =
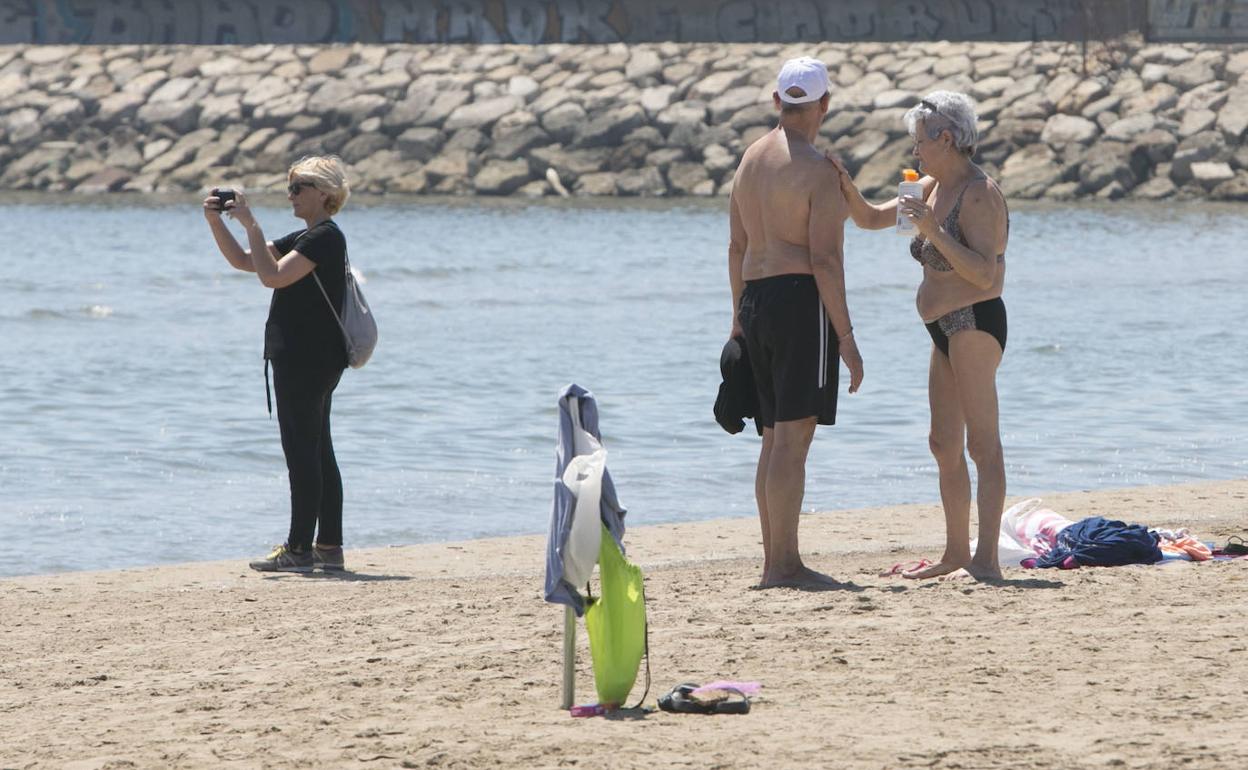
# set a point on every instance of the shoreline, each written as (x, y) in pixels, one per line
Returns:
(444, 655)
(515, 550)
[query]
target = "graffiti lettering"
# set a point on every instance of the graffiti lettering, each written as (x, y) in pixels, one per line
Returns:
(526, 21)
(798, 20)
(467, 23)
(972, 19)
(1197, 19)
(408, 21)
(585, 21)
(608, 21)
(912, 21)
(737, 22)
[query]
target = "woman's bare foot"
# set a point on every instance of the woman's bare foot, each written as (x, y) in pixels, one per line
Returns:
(803, 577)
(942, 567)
(977, 573)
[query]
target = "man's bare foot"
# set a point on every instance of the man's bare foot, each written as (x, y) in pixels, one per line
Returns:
(941, 567)
(803, 577)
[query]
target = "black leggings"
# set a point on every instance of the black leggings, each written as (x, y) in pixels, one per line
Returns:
(304, 395)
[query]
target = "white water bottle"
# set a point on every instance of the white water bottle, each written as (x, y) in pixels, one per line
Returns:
(909, 188)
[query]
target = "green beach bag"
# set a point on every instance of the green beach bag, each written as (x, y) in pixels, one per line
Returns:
(616, 622)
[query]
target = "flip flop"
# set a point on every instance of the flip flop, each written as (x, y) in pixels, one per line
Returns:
(905, 566)
(681, 700)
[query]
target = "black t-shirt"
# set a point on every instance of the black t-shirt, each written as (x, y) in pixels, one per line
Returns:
(301, 327)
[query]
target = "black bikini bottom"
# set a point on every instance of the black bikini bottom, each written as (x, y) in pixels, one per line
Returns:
(987, 316)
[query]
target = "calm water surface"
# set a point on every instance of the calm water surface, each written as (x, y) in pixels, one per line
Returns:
(132, 395)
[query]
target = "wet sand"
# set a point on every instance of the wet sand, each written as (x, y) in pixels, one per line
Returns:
(446, 656)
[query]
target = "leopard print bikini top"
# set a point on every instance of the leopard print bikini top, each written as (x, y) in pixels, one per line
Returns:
(926, 253)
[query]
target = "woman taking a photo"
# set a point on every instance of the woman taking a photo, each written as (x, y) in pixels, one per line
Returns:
(963, 226)
(305, 345)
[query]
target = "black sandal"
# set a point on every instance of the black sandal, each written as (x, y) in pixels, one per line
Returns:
(681, 700)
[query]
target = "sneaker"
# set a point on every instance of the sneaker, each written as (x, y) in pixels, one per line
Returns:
(328, 558)
(283, 559)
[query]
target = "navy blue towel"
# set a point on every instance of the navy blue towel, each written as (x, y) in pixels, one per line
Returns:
(1099, 542)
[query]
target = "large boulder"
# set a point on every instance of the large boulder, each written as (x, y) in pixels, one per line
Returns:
(1125, 129)
(481, 115)
(443, 105)
(118, 107)
(419, 143)
(1156, 146)
(597, 184)
(731, 102)
(565, 122)
(1233, 189)
(1211, 174)
(717, 83)
(1107, 162)
(607, 128)
(1157, 188)
(501, 177)
(329, 96)
(690, 179)
(364, 146)
(1233, 117)
(64, 113)
(1061, 130)
(880, 174)
(451, 163)
(1086, 91)
(646, 181)
(1196, 121)
(1031, 171)
(1203, 147)
(569, 164)
(179, 116)
(681, 113)
(105, 180)
(655, 99)
(643, 63)
(1190, 74)
(360, 107)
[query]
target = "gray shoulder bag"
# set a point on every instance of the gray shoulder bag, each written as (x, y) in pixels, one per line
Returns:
(359, 328)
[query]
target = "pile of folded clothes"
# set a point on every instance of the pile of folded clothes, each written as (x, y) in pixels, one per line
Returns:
(1036, 537)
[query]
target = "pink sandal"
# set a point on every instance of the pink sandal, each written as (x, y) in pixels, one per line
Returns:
(905, 566)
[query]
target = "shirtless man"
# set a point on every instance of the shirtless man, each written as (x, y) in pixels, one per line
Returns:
(786, 268)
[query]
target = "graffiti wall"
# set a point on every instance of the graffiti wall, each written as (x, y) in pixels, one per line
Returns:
(607, 21)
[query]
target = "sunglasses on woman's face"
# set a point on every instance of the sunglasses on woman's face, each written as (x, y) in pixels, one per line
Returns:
(298, 186)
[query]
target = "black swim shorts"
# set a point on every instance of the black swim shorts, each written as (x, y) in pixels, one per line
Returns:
(793, 349)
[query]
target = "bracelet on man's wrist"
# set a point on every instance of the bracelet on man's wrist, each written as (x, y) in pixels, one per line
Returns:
(846, 335)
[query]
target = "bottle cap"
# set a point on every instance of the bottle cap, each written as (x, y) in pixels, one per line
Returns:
(909, 175)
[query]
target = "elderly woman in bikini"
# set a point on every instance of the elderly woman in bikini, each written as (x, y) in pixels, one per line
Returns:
(963, 226)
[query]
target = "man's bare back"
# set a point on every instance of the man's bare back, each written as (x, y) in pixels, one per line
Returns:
(779, 178)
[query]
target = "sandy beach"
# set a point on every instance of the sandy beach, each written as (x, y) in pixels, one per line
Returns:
(446, 656)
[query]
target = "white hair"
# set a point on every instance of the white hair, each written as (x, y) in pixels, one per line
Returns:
(946, 111)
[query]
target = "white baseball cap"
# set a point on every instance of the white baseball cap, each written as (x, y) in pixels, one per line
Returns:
(806, 73)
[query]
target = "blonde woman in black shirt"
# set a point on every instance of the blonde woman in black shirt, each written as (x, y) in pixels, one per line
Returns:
(304, 344)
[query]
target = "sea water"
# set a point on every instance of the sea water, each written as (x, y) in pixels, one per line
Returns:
(132, 404)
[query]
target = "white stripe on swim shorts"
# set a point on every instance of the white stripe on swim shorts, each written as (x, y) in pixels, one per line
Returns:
(821, 378)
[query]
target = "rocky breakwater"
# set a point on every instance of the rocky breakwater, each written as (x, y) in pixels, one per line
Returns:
(1150, 121)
